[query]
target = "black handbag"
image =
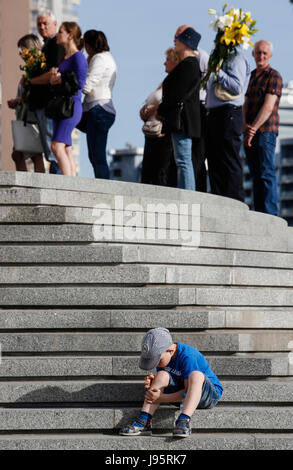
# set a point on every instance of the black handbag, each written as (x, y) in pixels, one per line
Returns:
(61, 103)
(174, 118)
(60, 107)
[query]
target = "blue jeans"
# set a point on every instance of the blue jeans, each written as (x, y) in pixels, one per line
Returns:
(99, 122)
(182, 146)
(209, 395)
(46, 133)
(261, 161)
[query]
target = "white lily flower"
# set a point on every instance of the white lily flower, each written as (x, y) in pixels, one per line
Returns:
(245, 42)
(211, 11)
(224, 22)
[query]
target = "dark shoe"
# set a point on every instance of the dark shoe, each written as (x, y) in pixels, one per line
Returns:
(134, 430)
(182, 428)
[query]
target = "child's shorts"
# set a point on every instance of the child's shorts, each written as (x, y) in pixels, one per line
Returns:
(209, 394)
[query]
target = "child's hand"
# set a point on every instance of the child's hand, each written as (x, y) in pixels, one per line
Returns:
(153, 395)
(148, 380)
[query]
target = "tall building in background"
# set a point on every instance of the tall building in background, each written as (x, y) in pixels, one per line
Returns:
(18, 18)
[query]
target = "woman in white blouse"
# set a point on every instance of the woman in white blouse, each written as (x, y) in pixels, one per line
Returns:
(97, 104)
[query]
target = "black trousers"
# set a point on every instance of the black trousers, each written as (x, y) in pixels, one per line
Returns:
(199, 153)
(224, 129)
(158, 165)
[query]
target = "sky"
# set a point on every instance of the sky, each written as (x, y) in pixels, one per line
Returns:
(140, 31)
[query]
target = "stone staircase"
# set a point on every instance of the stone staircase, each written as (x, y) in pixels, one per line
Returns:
(88, 266)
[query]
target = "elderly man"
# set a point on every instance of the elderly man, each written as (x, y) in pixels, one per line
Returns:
(261, 128)
(198, 144)
(47, 27)
(225, 98)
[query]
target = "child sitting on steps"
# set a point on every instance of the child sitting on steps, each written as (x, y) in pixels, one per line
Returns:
(182, 373)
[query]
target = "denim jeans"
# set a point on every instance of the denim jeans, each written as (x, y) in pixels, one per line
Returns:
(261, 161)
(183, 157)
(209, 395)
(99, 122)
(46, 133)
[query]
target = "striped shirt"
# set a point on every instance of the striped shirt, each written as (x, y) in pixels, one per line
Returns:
(268, 81)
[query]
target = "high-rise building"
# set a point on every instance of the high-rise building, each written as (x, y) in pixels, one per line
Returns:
(18, 18)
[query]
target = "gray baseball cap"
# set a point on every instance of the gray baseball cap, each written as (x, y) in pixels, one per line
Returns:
(154, 343)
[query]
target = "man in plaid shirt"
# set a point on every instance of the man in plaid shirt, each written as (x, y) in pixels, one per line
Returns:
(261, 128)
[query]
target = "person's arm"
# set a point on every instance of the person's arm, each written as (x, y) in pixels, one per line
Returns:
(96, 71)
(233, 77)
(43, 79)
(157, 396)
(261, 117)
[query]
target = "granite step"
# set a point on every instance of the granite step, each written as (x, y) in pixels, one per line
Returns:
(115, 391)
(139, 254)
(150, 297)
(245, 418)
(170, 218)
(85, 234)
(164, 442)
(116, 342)
(145, 274)
(176, 318)
(89, 365)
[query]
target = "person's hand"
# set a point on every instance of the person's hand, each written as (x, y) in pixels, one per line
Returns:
(148, 380)
(13, 103)
(152, 396)
(55, 77)
(250, 132)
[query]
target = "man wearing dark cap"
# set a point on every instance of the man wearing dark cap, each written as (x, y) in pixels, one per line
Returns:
(182, 373)
(198, 144)
(181, 86)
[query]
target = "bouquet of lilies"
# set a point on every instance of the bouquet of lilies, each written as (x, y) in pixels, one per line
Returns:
(234, 28)
(35, 64)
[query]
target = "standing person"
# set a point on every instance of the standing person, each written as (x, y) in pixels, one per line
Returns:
(39, 91)
(98, 105)
(70, 37)
(261, 128)
(158, 165)
(198, 144)
(183, 373)
(176, 87)
(224, 127)
(29, 41)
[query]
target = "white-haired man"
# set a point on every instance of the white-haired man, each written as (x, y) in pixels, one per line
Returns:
(261, 128)
(39, 90)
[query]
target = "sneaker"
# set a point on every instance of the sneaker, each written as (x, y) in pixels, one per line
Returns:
(134, 430)
(182, 428)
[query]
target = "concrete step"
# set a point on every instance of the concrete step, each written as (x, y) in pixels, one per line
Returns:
(157, 442)
(139, 254)
(121, 297)
(209, 341)
(89, 365)
(245, 418)
(152, 216)
(78, 233)
(144, 274)
(113, 391)
(196, 317)
(78, 186)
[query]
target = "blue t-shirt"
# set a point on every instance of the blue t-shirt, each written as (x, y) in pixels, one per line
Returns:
(186, 361)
